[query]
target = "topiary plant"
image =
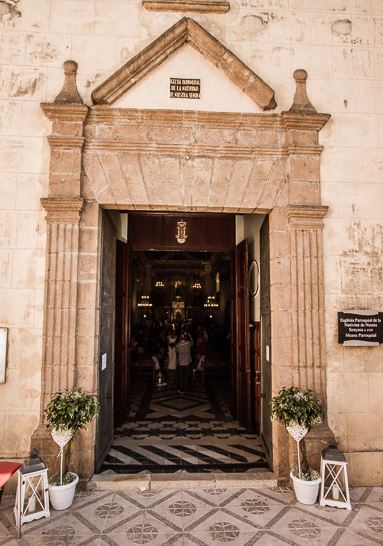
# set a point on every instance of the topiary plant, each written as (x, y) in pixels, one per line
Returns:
(66, 414)
(298, 411)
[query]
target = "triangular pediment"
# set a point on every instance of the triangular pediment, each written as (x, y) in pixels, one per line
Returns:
(185, 32)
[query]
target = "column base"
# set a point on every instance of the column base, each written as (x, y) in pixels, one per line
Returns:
(316, 441)
(48, 449)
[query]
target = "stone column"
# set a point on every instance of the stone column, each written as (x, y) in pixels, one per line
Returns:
(307, 297)
(302, 218)
(63, 206)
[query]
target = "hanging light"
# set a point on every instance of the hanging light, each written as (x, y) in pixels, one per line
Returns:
(197, 286)
(145, 302)
(210, 302)
(159, 284)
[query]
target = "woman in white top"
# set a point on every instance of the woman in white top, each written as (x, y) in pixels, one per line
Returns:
(171, 360)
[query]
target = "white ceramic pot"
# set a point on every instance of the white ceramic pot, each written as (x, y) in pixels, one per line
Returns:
(305, 491)
(61, 496)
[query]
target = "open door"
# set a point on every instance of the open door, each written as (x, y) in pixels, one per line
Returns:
(266, 350)
(255, 366)
(105, 425)
(242, 337)
(121, 368)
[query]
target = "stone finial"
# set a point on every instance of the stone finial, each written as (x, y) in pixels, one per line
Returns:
(301, 103)
(69, 93)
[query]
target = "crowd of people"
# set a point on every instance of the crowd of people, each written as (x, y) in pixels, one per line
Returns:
(177, 353)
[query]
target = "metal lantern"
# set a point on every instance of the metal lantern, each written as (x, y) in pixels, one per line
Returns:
(32, 499)
(334, 488)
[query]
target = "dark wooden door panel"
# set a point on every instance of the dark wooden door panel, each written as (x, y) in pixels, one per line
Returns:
(106, 343)
(242, 335)
(266, 349)
(121, 370)
(255, 366)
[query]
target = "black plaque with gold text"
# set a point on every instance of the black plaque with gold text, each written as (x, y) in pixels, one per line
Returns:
(185, 88)
(360, 328)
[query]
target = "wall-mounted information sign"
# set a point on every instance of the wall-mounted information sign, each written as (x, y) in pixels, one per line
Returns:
(360, 328)
(185, 88)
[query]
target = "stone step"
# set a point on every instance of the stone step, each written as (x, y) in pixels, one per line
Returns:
(110, 481)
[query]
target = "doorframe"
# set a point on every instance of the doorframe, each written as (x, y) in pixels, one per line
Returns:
(290, 193)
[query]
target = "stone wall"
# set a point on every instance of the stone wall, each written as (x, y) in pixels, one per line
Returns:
(339, 43)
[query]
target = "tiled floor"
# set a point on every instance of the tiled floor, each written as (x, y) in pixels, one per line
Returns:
(202, 517)
(193, 432)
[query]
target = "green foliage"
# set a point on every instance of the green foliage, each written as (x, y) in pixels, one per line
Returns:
(71, 410)
(67, 478)
(292, 405)
(308, 475)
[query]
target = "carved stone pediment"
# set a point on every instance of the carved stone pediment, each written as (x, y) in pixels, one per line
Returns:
(185, 31)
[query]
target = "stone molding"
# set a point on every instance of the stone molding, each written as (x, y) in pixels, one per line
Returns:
(196, 150)
(188, 118)
(199, 6)
(64, 112)
(306, 216)
(62, 211)
(185, 31)
(302, 122)
(65, 142)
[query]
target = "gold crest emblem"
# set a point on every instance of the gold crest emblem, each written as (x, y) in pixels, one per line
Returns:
(181, 235)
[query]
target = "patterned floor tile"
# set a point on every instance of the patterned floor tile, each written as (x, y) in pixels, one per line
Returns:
(301, 528)
(253, 508)
(327, 514)
(142, 534)
(372, 495)
(349, 538)
(368, 522)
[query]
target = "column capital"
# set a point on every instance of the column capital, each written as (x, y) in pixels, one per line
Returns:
(304, 122)
(62, 211)
(306, 216)
(64, 112)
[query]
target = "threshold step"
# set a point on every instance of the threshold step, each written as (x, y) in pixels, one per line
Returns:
(110, 481)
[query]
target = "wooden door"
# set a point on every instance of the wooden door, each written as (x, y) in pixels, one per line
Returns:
(243, 386)
(105, 423)
(121, 368)
(266, 349)
(255, 366)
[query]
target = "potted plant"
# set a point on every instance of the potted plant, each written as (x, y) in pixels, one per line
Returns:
(299, 411)
(66, 414)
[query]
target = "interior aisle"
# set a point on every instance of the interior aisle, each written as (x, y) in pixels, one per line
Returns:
(193, 432)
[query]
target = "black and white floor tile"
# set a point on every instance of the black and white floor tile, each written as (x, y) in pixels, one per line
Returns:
(201, 517)
(193, 432)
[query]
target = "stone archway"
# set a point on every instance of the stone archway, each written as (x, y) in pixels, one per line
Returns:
(103, 157)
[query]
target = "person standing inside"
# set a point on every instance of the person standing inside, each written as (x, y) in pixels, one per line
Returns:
(172, 360)
(183, 350)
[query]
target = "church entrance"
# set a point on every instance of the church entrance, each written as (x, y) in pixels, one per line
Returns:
(187, 350)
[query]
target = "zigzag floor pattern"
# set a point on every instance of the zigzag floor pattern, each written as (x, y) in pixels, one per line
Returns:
(191, 432)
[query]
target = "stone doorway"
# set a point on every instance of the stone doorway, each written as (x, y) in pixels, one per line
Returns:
(138, 159)
(157, 428)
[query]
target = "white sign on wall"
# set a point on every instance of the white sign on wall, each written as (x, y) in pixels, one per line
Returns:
(103, 361)
(3, 353)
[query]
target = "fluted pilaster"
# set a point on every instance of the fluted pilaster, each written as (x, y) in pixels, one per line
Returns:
(307, 297)
(59, 369)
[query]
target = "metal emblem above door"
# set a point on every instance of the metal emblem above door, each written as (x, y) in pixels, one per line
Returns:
(181, 235)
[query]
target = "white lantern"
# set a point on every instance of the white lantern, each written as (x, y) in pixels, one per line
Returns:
(32, 499)
(334, 488)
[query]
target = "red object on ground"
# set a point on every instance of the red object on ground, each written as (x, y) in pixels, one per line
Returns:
(7, 469)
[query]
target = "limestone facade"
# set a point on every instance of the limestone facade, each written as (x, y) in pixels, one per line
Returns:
(325, 198)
